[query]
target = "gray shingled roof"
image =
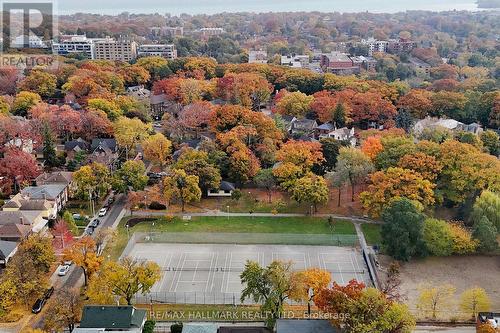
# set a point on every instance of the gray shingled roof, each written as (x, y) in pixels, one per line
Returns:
(6, 248)
(48, 191)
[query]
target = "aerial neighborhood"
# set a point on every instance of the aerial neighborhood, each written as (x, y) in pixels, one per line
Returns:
(242, 172)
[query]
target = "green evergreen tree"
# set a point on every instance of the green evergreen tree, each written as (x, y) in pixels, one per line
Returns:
(49, 148)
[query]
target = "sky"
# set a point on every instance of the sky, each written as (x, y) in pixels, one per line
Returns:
(176, 7)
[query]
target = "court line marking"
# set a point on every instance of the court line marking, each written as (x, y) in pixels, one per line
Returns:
(182, 267)
(164, 277)
(210, 271)
(175, 274)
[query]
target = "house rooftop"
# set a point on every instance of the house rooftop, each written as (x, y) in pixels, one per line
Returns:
(63, 177)
(304, 326)
(14, 230)
(19, 217)
(47, 191)
(112, 317)
(6, 248)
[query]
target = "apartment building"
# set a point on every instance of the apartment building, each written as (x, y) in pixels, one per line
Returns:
(295, 60)
(375, 45)
(111, 49)
(257, 57)
(167, 31)
(160, 50)
(74, 44)
(207, 32)
(339, 63)
(401, 45)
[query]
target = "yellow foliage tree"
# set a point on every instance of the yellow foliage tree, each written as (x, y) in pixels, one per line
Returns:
(463, 243)
(83, 254)
(129, 132)
(474, 300)
(157, 149)
(311, 281)
(434, 300)
(123, 279)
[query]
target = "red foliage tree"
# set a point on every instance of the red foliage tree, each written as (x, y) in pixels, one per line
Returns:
(17, 167)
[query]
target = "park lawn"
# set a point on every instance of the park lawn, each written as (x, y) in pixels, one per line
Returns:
(248, 224)
(372, 233)
(236, 224)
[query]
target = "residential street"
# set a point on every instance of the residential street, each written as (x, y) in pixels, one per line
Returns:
(74, 278)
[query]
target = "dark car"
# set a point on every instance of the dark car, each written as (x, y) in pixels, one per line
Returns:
(94, 223)
(38, 306)
(111, 200)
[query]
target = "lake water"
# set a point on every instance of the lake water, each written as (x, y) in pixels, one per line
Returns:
(176, 7)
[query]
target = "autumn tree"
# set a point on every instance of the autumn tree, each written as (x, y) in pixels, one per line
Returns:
(40, 251)
(311, 282)
(24, 101)
(491, 142)
(372, 107)
(294, 104)
(157, 67)
(330, 108)
(83, 254)
(91, 180)
(112, 110)
(427, 166)
(417, 102)
(434, 301)
(466, 171)
(474, 300)
(194, 117)
(247, 89)
(181, 187)
(157, 149)
(39, 82)
(402, 231)
(123, 279)
(352, 167)
(312, 189)
(129, 132)
(18, 168)
(131, 175)
(300, 153)
(94, 124)
(394, 148)
(372, 146)
(463, 242)
(64, 310)
(270, 286)
(369, 309)
(196, 163)
(396, 183)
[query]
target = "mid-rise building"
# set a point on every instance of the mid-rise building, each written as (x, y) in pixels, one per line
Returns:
(167, 31)
(207, 32)
(257, 57)
(167, 51)
(74, 44)
(339, 63)
(375, 45)
(295, 61)
(401, 45)
(111, 49)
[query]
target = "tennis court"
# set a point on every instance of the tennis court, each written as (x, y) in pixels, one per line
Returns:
(210, 273)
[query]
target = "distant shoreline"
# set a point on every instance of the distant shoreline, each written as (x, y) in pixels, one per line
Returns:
(196, 7)
(488, 4)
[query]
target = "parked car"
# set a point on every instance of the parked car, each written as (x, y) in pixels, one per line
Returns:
(103, 211)
(111, 200)
(94, 223)
(38, 306)
(63, 270)
(77, 216)
(89, 231)
(68, 262)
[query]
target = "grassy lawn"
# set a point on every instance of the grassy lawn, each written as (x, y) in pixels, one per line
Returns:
(372, 233)
(250, 224)
(212, 224)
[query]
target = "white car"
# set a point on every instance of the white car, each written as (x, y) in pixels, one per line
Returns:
(63, 270)
(103, 212)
